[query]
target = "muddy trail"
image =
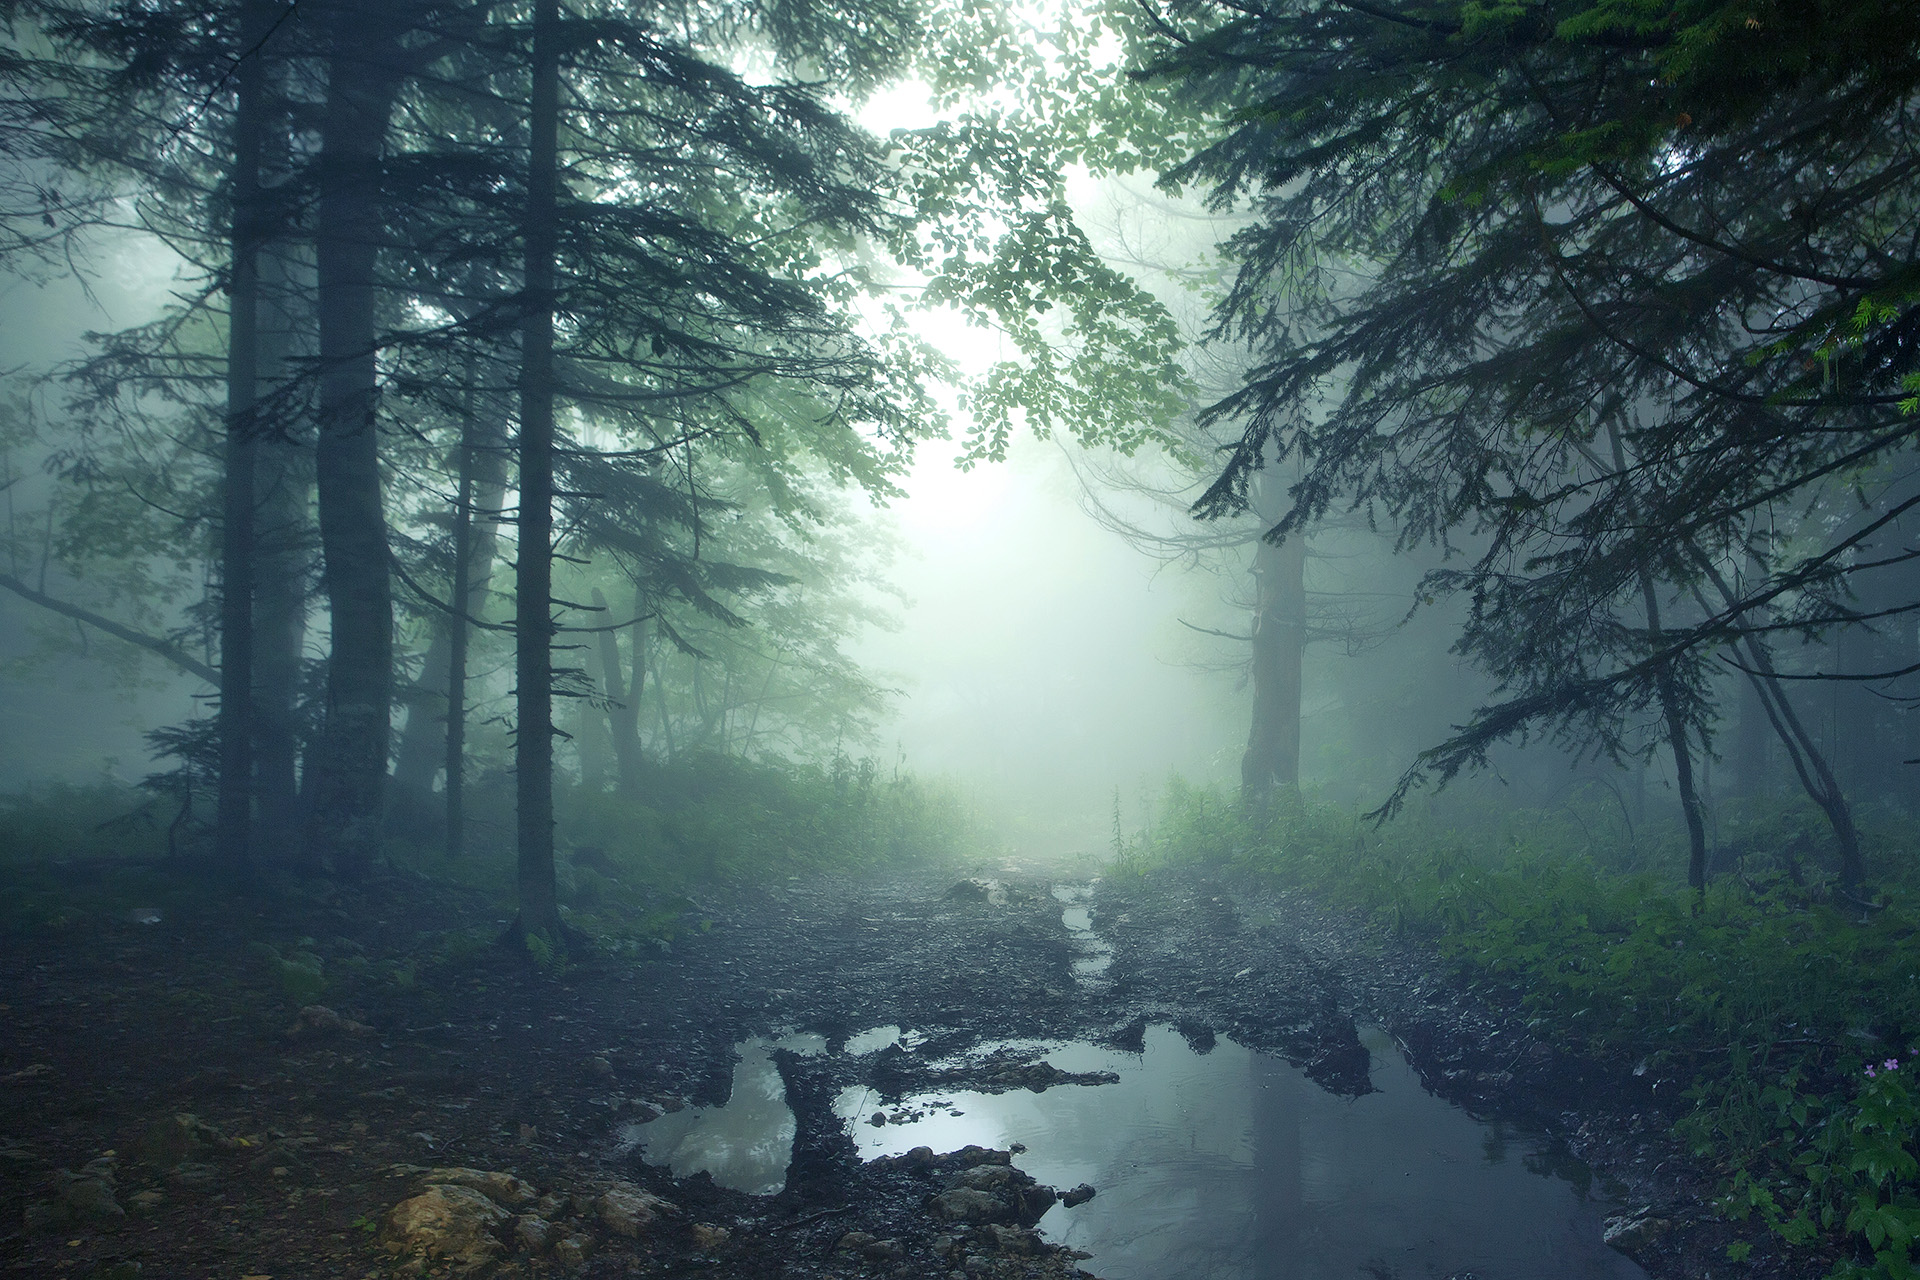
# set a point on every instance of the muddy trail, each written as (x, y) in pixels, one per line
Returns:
(352, 1083)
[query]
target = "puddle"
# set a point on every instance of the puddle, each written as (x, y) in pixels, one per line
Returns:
(1233, 1166)
(747, 1143)
(1096, 954)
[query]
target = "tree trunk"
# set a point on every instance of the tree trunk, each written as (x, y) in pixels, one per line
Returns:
(282, 567)
(1670, 711)
(533, 584)
(423, 743)
(233, 825)
(345, 815)
(457, 631)
(623, 696)
(1272, 757)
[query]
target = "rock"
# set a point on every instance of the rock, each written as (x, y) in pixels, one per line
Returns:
(884, 1251)
(167, 1143)
(1012, 1240)
(318, 1018)
(627, 1210)
(1078, 1196)
(193, 1175)
(599, 1068)
(572, 1251)
(878, 1119)
(985, 1177)
(944, 1246)
(552, 1205)
(1635, 1233)
(854, 1242)
(707, 1237)
(27, 1074)
(450, 1224)
(501, 1187)
(44, 1215)
(964, 1204)
(147, 1199)
(532, 1233)
(920, 1157)
(970, 890)
(84, 1197)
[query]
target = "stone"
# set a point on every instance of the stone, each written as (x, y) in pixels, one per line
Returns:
(970, 890)
(552, 1205)
(1635, 1233)
(317, 1018)
(627, 1210)
(945, 1246)
(1012, 1240)
(147, 1199)
(707, 1237)
(878, 1119)
(89, 1198)
(854, 1242)
(572, 1252)
(920, 1157)
(193, 1175)
(532, 1233)
(501, 1187)
(965, 1204)
(167, 1143)
(450, 1224)
(985, 1177)
(1078, 1196)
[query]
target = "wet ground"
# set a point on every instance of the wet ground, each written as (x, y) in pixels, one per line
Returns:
(1250, 1087)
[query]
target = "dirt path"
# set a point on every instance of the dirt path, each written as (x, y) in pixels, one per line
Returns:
(296, 1145)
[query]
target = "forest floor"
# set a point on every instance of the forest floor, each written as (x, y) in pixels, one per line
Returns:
(166, 1109)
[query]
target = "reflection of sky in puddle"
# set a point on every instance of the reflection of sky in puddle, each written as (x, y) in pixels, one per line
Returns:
(1096, 955)
(746, 1144)
(1234, 1165)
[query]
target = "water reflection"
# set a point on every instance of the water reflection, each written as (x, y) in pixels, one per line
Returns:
(1095, 953)
(1231, 1164)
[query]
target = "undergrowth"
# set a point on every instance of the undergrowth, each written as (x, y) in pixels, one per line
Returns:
(1787, 1014)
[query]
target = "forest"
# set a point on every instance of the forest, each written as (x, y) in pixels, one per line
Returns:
(1270, 639)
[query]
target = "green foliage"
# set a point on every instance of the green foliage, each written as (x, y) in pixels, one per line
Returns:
(1783, 1013)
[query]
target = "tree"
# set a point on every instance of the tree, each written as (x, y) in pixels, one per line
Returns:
(1569, 220)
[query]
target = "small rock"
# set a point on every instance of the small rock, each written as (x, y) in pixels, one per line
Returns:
(1078, 1196)
(878, 1119)
(89, 1197)
(501, 1187)
(1635, 1233)
(44, 1215)
(944, 1246)
(627, 1210)
(920, 1157)
(599, 1068)
(319, 1018)
(166, 1143)
(572, 1251)
(532, 1233)
(707, 1237)
(985, 1177)
(194, 1175)
(964, 1204)
(884, 1251)
(451, 1224)
(147, 1199)
(854, 1242)
(27, 1074)
(970, 890)
(552, 1205)
(1013, 1240)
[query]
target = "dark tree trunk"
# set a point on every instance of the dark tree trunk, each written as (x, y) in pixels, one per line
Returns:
(345, 813)
(283, 555)
(1272, 757)
(233, 828)
(423, 748)
(623, 695)
(1671, 712)
(533, 584)
(457, 631)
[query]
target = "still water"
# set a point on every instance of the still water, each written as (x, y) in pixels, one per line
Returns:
(1229, 1165)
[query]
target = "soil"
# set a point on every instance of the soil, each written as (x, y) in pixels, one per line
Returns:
(248, 1087)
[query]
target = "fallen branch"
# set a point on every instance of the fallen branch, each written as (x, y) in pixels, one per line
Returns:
(152, 644)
